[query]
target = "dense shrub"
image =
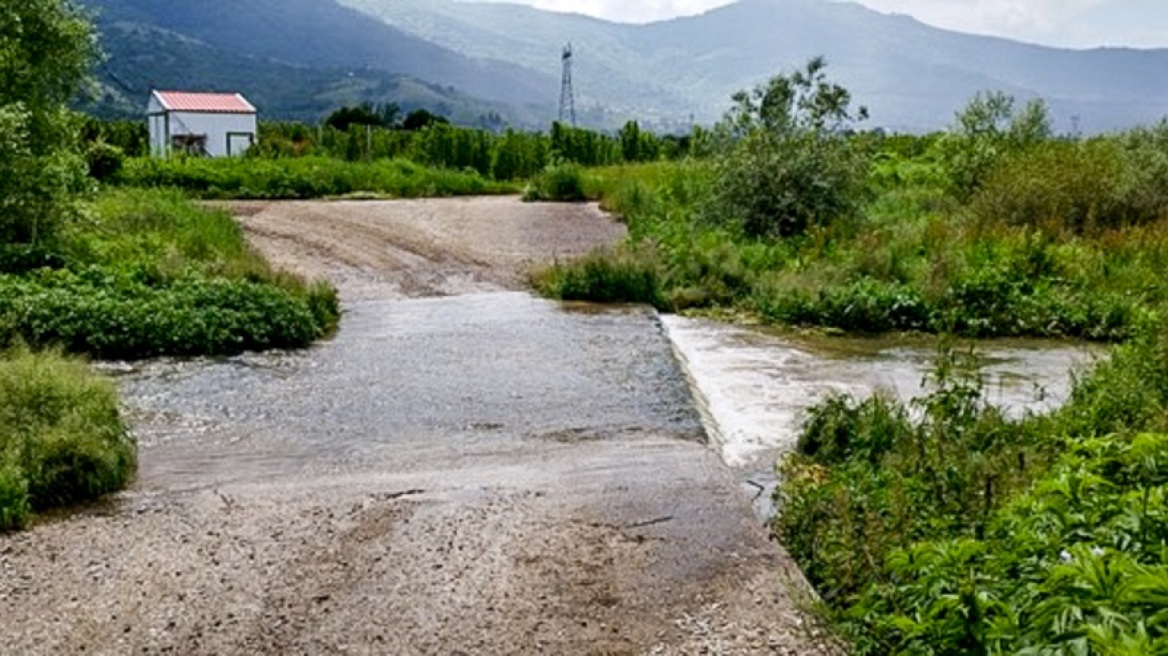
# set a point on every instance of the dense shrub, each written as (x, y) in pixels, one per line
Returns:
(603, 277)
(118, 313)
(1077, 187)
(560, 182)
(989, 128)
(104, 161)
(308, 177)
(62, 439)
(791, 167)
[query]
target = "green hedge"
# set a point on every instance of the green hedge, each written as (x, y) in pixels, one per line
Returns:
(309, 177)
(112, 313)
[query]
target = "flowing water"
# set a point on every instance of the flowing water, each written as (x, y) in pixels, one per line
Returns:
(753, 386)
(407, 383)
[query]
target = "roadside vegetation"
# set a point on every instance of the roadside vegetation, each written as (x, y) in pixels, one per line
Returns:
(943, 526)
(62, 439)
(110, 273)
(369, 151)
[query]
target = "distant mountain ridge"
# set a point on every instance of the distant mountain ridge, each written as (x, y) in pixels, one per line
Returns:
(302, 56)
(477, 58)
(912, 76)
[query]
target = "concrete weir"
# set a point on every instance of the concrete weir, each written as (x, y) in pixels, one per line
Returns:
(752, 387)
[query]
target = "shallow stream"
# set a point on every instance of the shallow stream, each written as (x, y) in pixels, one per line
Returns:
(410, 385)
(754, 385)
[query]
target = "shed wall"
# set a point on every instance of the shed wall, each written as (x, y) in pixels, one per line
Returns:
(224, 132)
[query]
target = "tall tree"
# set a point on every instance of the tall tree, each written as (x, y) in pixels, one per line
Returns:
(46, 49)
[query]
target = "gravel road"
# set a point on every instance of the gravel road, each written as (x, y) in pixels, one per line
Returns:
(464, 469)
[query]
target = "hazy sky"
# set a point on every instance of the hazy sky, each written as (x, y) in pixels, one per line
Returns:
(1075, 23)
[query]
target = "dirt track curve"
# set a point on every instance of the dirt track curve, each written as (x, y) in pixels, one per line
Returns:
(464, 469)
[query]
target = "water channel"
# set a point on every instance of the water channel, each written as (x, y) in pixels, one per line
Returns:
(753, 385)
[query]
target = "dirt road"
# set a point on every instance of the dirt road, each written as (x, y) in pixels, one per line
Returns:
(485, 473)
(422, 248)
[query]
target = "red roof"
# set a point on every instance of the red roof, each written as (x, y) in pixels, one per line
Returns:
(215, 103)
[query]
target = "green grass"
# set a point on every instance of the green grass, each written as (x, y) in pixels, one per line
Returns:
(302, 178)
(149, 273)
(62, 439)
(915, 261)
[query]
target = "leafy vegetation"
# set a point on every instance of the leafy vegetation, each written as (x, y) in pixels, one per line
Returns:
(789, 167)
(40, 167)
(562, 182)
(961, 531)
(155, 275)
(62, 439)
(309, 177)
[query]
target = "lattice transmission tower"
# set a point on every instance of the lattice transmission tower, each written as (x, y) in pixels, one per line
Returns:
(567, 93)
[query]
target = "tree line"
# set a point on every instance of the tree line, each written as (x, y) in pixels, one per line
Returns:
(370, 132)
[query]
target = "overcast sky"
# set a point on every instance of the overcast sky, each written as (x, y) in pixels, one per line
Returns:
(1073, 23)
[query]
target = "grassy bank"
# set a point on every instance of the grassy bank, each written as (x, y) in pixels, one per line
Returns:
(62, 439)
(913, 258)
(305, 177)
(150, 274)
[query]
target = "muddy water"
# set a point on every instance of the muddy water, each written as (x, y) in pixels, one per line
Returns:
(406, 384)
(753, 386)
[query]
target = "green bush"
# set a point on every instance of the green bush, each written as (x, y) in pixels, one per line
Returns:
(561, 182)
(62, 439)
(790, 167)
(782, 186)
(603, 277)
(125, 314)
(104, 161)
(1077, 187)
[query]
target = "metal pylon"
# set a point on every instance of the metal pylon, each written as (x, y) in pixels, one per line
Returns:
(567, 93)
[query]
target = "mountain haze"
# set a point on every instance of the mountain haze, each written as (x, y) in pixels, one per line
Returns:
(302, 57)
(910, 75)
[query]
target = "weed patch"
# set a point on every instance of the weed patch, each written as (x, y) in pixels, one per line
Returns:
(62, 439)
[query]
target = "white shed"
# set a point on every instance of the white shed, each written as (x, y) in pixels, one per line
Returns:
(210, 124)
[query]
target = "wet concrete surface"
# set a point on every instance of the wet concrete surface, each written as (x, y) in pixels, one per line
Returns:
(406, 384)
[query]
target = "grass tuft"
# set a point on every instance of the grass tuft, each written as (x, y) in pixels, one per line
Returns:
(62, 438)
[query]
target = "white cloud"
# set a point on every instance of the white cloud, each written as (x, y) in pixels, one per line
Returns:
(638, 11)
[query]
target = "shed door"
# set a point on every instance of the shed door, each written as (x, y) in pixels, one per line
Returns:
(239, 142)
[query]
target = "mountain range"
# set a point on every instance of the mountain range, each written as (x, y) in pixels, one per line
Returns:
(301, 58)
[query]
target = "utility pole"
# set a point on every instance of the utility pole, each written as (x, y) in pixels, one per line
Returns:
(567, 93)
